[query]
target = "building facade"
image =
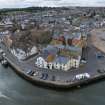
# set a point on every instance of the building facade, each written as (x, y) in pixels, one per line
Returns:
(63, 53)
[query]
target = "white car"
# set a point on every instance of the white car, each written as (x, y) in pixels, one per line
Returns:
(36, 73)
(83, 61)
(82, 76)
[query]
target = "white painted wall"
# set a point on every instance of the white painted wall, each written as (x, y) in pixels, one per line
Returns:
(71, 63)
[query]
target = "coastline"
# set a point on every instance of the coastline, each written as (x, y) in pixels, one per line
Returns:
(55, 85)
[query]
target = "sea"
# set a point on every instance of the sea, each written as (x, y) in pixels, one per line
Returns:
(14, 90)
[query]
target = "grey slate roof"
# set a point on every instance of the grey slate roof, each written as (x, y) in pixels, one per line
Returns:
(61, 60)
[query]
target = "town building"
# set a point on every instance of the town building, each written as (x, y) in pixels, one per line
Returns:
(59, 57)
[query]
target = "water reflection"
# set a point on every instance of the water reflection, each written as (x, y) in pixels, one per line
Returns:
(14, 90)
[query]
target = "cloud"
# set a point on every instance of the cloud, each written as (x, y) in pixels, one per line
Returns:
(55, 3)
(65, 2)
(9, 3)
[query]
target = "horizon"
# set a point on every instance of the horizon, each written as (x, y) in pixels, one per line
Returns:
(50, 3)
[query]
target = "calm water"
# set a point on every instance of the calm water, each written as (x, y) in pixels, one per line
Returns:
(16, 91)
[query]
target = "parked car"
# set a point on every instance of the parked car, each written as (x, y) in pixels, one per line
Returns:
(30, 72)
(99, 55)
(44, 76)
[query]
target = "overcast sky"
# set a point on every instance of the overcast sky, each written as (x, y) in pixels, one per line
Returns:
(27, 3)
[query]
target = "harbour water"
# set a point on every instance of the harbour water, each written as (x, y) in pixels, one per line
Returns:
(14, 90)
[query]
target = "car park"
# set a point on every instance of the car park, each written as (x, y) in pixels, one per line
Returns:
(36, 73)
(83, 61)
(101, 70)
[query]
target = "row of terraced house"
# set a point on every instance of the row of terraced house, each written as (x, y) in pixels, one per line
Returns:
(63, 53)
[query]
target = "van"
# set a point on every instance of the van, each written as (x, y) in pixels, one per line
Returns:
(82, 76)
